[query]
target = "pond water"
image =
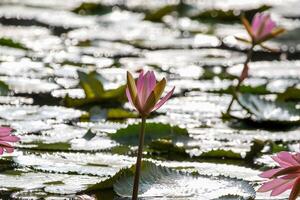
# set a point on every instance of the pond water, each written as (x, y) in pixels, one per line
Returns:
(63, 68)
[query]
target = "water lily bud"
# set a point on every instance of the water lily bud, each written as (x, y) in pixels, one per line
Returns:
(145, 93)
(262, 28)
(5, 139)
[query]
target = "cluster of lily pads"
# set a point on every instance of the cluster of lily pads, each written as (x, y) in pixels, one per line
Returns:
(76, 78)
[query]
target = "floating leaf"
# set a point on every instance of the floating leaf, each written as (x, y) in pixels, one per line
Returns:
(70, 184)
(129, 135)
(157, 15)
(95, 92)
(29, 86)
(157, 182)
(11, 43)
(88, 8)
(263, 110)
(97, 113)
(290, 94)
(197, 149)
(93, 164)
(3, 89)
(14, 113)
(89, 135)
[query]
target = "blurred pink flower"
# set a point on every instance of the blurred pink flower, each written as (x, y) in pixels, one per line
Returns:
(262, 25)
(5, 138)
(262, 28)
(286, 177)
(145, 94)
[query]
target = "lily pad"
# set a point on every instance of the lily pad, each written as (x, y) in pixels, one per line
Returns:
(45, 16)
(25, 68)
(10, 43)
(3, 89)
(87, 8)
(157, 182)
(129, 135)
(12, 100)
(263, 110)
(24, 85)
(290, 94)
(23, 113)
(97, 114)
(95, 92)
(69, 184)
(93, 164)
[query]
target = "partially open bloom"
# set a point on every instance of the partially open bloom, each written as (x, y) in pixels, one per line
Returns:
(286, 177)
(145, 93)
(5, 139)
(262, 28)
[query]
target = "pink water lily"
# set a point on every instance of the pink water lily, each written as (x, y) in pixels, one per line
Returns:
(145, 93)
(262, 28)
(5, 139)
(262, 25)
(284, 178)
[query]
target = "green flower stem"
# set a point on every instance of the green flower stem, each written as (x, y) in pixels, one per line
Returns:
(139, 161)
(237, 88)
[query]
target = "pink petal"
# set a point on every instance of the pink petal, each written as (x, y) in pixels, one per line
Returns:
(280, 162)
(291, 176)
(140, 82)
(10, 138)
(147, 87)
(256, 22)
(142, 93)
(1, 150)
(9, 149)
(269, 173)
(269, 26)
(5, 144)
(4, 131)
(270, 185)
(282, 188)
(163, 100)
(287, 158)
(152, 82)
(297, 157)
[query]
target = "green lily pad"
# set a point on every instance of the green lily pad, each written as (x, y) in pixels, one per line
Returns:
(88, 8)
(3, 89)
(23, 85)
(11, 43)
(129, 135)
(290, 94)
(95, 92)
(92, 164)
(157, 182)
(262, 110)
(97, 113)
(26, 181)
(28, 112)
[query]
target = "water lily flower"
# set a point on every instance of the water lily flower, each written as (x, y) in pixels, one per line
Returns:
(145, 93)
(262, 28)
(286, 177)
(5, 139)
